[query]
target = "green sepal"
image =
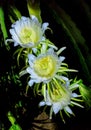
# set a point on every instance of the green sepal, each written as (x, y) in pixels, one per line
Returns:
(34, 9)
(86, 94)
(14, 14)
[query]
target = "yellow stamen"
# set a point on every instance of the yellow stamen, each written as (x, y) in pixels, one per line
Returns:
(45, 66)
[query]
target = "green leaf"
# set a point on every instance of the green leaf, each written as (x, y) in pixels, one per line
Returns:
(2, 24)
(15, 127)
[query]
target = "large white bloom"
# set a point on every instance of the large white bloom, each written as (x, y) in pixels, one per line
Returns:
(27, 32)
(43, 67)
(58, 99)
(61, 97)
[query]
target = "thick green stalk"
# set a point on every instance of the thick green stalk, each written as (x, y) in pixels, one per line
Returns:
(2, 23)
(34, 9)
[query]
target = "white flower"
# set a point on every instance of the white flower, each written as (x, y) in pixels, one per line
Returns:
(60, 97)
(27, 32)
(43, 67)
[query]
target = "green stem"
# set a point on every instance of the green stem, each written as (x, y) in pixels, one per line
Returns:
(2, 22)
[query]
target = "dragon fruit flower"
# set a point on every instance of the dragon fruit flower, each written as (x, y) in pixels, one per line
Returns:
(27, 32)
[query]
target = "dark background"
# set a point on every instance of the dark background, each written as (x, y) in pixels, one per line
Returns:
(80, 13)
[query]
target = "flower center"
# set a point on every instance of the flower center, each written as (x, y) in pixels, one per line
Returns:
(61, 95)
(25, 35)
(45, 66)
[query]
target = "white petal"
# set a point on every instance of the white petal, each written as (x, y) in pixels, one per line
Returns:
(51, 51)
(48, 103)
(16, 44)
(33, 75)
(24, 18)
(43, 38)
(44, 48)
(44, 26)
(34, 50)
(61, 58)
(29, 70)
(31, 82)
(74, 95)
(14, 35)
(17, 28)
(68, 110)
(34, 18)
(67, 81)
(31, 57)
(56, 107)
(42, 103)
(64, 78)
